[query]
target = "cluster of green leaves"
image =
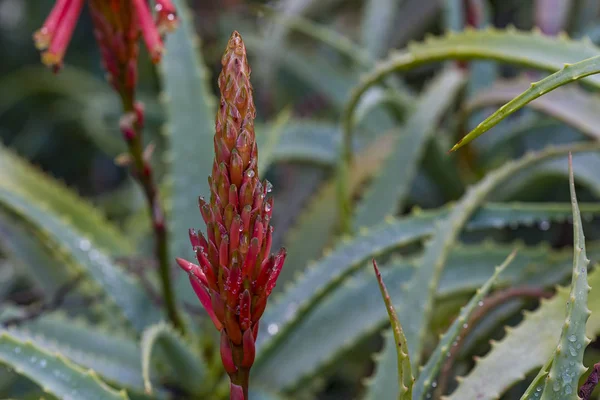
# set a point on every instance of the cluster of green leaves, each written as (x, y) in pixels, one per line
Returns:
(438, 223)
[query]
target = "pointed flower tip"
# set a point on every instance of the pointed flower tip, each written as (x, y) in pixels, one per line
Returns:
(236, 43)
(184, 264)
(41, 39)
(55, 35)
(52, 60)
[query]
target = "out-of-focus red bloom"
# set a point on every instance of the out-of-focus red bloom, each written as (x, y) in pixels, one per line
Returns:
(236, 271)
(117, 23)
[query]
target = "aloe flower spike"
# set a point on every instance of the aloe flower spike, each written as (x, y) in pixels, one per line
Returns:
(236, 271)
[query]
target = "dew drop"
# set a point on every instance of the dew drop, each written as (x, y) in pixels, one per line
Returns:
(572, 338)
(17, 350)
(43, 363)
(273, 329)
(538, 389)
(434, 385)
(465, 326)
(480, 304)
(269, 187)
(267, 207)
(556, 386)
(572, 351)
(84, 245)
(545, 225)
(158, 7)
(568, 389)
(250, 173)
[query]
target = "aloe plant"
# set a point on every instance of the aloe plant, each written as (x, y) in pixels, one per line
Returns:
(163, 285)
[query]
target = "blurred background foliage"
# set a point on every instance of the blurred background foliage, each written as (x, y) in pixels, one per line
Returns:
(67, 124)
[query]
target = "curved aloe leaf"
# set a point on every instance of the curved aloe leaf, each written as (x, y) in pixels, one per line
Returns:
(524, 348)
(389, 188)
(54, 373)
(567, 360)
(112, 356)
(358, 299)
(292, 305)
(430, 370)
(421, 289)
(568, 74)
(190, 110)
(177, 354)
(82, 253)
(570, 105)
(45, 190)
(527, 49)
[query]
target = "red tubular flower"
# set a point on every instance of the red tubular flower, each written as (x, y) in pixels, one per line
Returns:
(117, 26)
(236, 268)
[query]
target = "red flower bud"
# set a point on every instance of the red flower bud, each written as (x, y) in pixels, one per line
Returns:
(227, 355)
(249, 349)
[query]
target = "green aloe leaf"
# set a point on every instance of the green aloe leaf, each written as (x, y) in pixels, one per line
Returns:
(292, 306)
(47, 191)
(405, 377)
(54, 373)
(305, 140)
(421, 289)
(84, 255)
(467, 269)
(429, 372)
(524, 348)
(303, 242)
(527, 49)
(112, 355)
(571, 105)
(33, 260)
(567, 360)
(568, 74)
(187, 367)
(377, 25)
(190, 108)
(390, 187)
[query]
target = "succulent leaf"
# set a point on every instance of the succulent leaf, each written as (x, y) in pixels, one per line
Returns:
(567, 362)
(54, 373)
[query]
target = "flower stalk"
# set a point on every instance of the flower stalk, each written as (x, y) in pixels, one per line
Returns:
(118, 25)
(236, 271)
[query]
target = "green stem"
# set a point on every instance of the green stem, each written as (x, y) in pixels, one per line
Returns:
(142, 172)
